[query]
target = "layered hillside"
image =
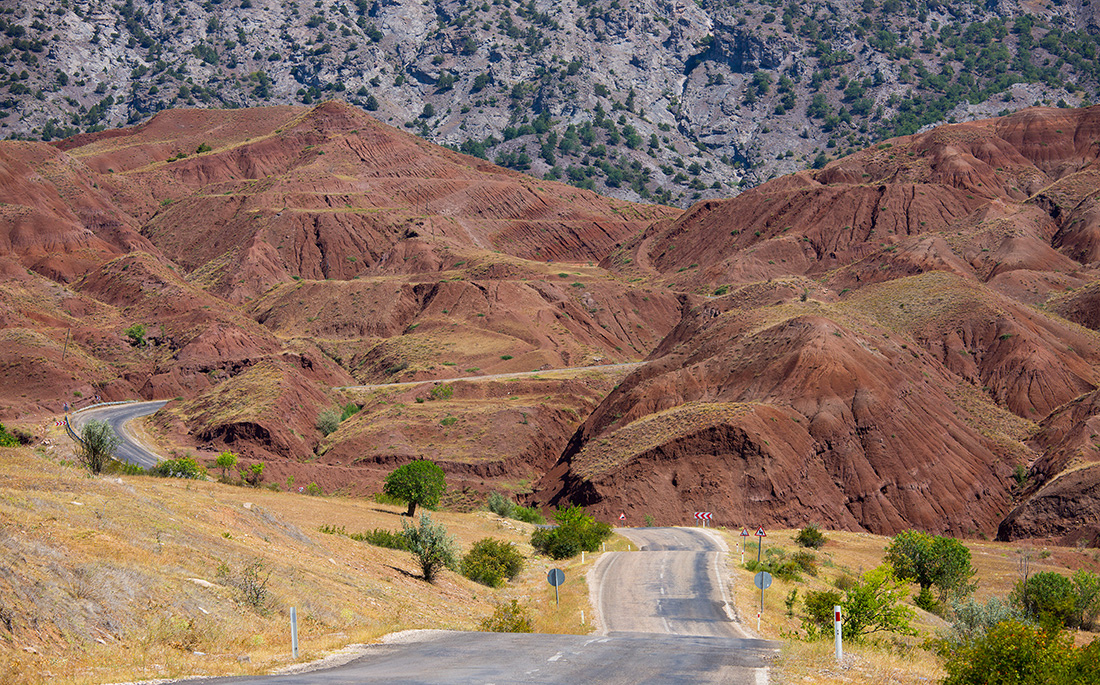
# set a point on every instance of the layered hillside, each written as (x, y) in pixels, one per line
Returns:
(248, 263)
(903, 338)
(895, 343)
(663, 99)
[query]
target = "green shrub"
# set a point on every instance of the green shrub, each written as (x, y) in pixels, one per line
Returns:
(382, 538)
(818, 607)
(442, 392)
(1048, 596)
(972, 619)
(776, 562)
(433, 547)
(7, 439)
(490, 562)
(1013, 652)
(254, 474)
(184, 467)
(328, 421)
(576, 532)
(350, 410)
(136, 334)
(811, 537)
(314, 489)
(509, 618)
(500, 505)
(528, 515)
(806, 561)
(332, 530)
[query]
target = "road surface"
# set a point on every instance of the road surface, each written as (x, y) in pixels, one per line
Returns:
(625, 366)
(663, 617)
(674, 586)
(131, 450)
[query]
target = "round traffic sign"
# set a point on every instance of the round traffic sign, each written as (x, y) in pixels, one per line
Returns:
(556, 577)
(762, 580)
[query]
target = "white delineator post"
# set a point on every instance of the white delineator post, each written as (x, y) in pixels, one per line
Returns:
(294, 632)
(836, 630)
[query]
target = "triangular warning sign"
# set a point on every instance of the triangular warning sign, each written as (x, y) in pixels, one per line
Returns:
(622, 516)
(744, 532)
(760, 532)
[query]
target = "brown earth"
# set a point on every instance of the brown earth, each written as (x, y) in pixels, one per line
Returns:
(942, 242)
(875, 345)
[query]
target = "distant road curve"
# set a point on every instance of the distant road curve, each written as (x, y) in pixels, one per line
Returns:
(494, 376)
(131, 450)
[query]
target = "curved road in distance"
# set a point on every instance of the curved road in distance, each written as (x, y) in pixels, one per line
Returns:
(674, 587)
(669, 628)
(118, 415)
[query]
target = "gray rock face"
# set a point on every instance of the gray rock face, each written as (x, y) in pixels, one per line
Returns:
(668, 100)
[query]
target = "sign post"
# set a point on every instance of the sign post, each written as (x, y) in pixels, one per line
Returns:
(744, 534)
(556, 577)
(704, 516)
(762, 580)
(836, 631)
(760, 543)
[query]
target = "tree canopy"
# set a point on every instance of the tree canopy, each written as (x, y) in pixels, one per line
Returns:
(419, 482)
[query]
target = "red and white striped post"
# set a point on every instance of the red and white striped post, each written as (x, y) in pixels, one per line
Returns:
(836, 631)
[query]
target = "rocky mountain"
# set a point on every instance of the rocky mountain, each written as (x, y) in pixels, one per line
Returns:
(904, 337)
(659, 100)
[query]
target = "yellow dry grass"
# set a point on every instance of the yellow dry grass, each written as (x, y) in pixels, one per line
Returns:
(601, 455)
(128, 578)
(901, 660)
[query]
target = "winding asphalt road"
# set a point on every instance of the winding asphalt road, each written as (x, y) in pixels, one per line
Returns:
(118, 415)
(663, 619)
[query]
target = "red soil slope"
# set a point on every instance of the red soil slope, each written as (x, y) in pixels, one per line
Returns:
(329, 192)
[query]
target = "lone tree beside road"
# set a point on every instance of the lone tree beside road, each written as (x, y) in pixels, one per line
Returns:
(418, 482)
(98, 444)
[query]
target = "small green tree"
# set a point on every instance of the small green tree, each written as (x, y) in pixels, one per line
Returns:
(254, 474)
(98, 444)
(433, 547)
(874, 605)
(932, 561)
(225, 461)
(136, 334)
(1087, 585)
(419, 482)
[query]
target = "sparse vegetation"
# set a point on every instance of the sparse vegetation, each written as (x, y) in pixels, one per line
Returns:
(184, 467)
(98, 442)
(491, 562)
(577, 531)
(511, 617)
(434, 548)
(811, 537)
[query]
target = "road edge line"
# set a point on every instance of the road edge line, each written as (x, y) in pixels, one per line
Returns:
(594, 578)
